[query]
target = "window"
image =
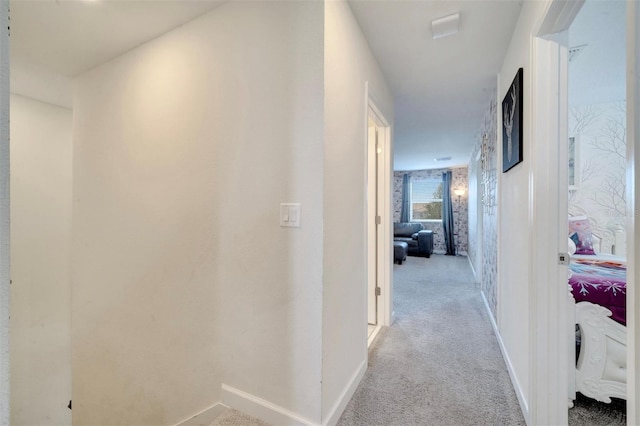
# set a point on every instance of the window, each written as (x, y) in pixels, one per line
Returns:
(426, 200)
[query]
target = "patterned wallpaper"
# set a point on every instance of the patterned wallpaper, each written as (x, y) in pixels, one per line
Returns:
(600, 170)
(487, 146)
(459, 180)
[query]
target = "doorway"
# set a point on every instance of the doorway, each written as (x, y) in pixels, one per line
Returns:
(378, 216)
(550, 75)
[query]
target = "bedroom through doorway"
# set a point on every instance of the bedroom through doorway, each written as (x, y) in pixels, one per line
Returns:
(597, 210)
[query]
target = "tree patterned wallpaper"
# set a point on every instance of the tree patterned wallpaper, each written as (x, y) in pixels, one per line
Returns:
(599, 171)
(487, 147)
(459, 180)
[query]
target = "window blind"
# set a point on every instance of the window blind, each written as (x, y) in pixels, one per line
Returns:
(424, 191)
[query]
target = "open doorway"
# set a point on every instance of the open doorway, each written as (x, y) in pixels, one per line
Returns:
(597, 198)
(379, 286)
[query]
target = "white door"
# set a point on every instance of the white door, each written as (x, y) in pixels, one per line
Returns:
(372, 222)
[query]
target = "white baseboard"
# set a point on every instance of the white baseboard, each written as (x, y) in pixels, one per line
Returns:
(276, 415)
(338, 408)
(261, 409)
(475, 275)
(206, 417)
(514, 380)
(373, 336)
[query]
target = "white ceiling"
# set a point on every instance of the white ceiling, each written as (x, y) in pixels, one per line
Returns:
(69, 37)
(441, 87)
(598, 73)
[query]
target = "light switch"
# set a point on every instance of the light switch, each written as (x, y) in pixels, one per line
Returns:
(290, 215)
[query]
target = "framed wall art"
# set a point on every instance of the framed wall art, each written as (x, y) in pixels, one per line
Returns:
(512, 124)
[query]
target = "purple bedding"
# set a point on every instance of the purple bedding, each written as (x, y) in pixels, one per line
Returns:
(601, 281)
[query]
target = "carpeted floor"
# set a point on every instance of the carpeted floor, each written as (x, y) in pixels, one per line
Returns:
(587, 411)
(440, 363)
(236, 418)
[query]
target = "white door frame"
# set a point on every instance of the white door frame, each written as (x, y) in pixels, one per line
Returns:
(550, 362)
(548, 215)
(549, 366)
(372, 209)
(633, 207)
(385, 255)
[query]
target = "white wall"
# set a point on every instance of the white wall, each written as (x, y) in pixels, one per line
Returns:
(40, 248)
(4, 214)
(349, 63)
(37, 83)
(182, 276)
(514, 205)
(599, 192)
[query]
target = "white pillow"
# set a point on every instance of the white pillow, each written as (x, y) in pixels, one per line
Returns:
(572, 247)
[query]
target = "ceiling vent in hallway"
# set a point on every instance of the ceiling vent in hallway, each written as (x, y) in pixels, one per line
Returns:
(442, 159)
(445, 26)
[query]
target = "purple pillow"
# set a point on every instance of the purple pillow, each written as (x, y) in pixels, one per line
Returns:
(580, 233)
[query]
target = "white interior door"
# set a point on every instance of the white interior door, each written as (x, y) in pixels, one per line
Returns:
(372, 223)
(379, 175)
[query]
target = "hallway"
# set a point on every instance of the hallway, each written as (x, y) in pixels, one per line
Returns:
(440, 363)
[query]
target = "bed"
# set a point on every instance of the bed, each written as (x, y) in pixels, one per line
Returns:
(597, 295)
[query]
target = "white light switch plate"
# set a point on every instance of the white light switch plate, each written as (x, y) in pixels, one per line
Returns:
(290, 215)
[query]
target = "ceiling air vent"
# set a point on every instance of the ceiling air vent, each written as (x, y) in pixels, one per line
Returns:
(574, 51)
(442, 159)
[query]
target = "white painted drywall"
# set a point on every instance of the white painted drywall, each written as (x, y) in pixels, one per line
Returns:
(182, 277)
(348, 65)
(514, 205)
(4, 213)
(41, 166)
(271, 277)
(37, 83)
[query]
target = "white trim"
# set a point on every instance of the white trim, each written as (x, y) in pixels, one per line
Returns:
(549, 366)
(261, 409)
(633, 207)
(505, 355)
(205, 417)
(475, 275)
(373, 335)
(276, 415)
(558, 16)
(346, 395)
(371, 184)
(385, 256)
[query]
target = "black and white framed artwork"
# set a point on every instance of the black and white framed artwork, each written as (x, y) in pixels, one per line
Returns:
(512, 124)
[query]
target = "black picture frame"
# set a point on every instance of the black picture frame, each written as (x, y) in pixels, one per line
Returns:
(512, 124)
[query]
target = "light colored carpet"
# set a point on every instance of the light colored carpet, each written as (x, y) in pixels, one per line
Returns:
(440, 363)
(587, 411)
(236, 418)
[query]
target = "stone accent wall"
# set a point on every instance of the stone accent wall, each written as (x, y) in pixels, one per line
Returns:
(459, 180)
